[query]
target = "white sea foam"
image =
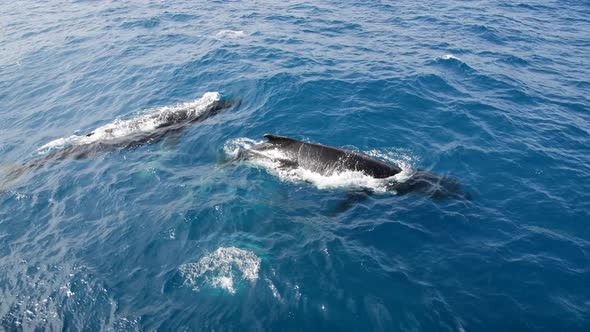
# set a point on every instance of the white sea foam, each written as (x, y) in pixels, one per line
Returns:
(222, 269)
(233, 147)
(273, 289)
(449, 57)
(270, 160)
(148, 121)
(230, 34)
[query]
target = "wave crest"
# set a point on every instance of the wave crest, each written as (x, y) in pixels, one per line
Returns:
(230, 34)
(449, 57)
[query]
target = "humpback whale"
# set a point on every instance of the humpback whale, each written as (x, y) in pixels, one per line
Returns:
(150, 127)
(289, 153)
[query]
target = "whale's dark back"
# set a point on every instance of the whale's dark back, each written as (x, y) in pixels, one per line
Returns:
(327, 160)
(173, 124)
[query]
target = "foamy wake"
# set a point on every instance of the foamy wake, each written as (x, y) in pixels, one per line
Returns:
(230, 34)
(270, 161)
(221, 269)
(150, 120)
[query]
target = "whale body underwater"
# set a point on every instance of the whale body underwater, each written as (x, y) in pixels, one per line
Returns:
(289, 153)
(149, 128)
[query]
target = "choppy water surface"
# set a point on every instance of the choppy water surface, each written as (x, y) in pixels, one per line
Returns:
(169, 236)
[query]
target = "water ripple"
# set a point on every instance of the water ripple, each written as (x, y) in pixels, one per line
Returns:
(495, 95)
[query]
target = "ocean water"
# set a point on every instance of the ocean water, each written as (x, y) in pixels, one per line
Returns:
(169, 236)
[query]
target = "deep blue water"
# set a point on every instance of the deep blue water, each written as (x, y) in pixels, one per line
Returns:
(168, 236)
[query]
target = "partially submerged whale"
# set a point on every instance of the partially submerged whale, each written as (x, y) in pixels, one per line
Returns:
(327, 160)
(150, 127)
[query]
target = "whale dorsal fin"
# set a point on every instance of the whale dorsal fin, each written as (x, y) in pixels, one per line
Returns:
(279, 139)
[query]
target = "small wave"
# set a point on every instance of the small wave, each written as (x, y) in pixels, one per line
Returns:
(230, 34)
(222, 269)
(149, 121)
(148, 23)
(270, 160)
(452, 61)
(449, 57)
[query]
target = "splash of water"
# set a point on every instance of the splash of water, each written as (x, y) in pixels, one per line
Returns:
(222, 268)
